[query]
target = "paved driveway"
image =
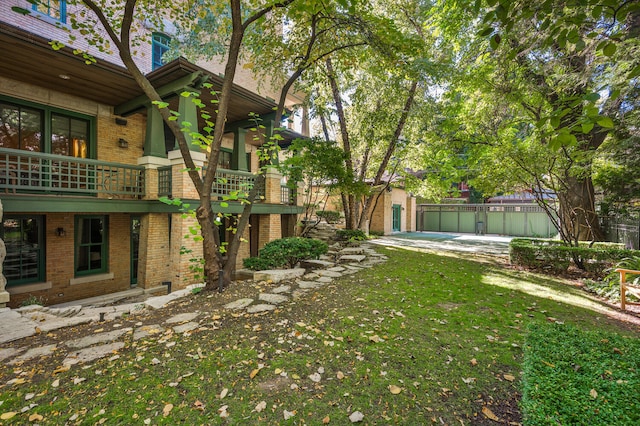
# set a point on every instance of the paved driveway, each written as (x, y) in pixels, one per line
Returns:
(439, 241)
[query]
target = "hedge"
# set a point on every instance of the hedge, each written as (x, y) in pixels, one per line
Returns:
(555, 256)
(573, 376)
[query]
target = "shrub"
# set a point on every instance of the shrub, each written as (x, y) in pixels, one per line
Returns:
(32, 300)
(329, 216)
(286, 253)
(555, 256)
(351, 235)
(376, 233)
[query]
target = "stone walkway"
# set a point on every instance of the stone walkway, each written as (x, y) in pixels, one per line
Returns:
(295, 283)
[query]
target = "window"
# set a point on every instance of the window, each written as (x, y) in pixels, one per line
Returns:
(69, 136)
(224, 159)
(91, 245)
(24, 239)
(159, 46)
(56, 9)
(36, 128)
(20, 127)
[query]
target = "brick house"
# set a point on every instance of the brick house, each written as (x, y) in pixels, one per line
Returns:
(84, 159)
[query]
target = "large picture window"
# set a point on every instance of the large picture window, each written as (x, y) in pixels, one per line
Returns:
(91, 245)
(36, 128)
(24, 239)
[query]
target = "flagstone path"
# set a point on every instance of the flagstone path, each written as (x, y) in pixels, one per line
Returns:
(24, 322)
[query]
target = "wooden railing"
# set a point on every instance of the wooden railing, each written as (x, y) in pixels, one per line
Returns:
(226, 183)
(32, 172)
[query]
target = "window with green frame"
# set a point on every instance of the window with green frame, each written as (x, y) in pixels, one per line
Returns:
(91, 245)
(38, 128)
(23, 237)
(56, 9)
(159, 46)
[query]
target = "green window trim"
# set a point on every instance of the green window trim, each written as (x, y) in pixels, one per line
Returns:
(91, 245)
(25, 260)
(48, 114)
(159, 46)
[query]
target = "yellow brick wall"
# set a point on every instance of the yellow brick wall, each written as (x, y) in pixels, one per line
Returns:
(59, 253)
(154, 257)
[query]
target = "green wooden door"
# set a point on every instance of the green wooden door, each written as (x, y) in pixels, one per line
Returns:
(397, 212)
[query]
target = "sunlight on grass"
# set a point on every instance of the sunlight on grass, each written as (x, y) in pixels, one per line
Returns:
(565, 295)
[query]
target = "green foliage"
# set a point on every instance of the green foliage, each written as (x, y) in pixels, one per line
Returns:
(555, 256)
(351, 235)
(286, 253)
(33, 300)
(573, 376)
(330, 216)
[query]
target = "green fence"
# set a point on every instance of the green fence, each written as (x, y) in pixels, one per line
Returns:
(521, 220)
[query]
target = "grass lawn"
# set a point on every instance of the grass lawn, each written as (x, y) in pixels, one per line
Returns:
(420, 339)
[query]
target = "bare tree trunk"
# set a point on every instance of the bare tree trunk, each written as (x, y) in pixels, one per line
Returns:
(577, 211)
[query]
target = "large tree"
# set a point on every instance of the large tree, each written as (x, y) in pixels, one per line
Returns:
(544, 85)
(118, 27)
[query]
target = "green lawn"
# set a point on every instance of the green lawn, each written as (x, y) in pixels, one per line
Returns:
(420, 339)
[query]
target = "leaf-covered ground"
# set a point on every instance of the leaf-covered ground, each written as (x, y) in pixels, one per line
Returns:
(421, 339)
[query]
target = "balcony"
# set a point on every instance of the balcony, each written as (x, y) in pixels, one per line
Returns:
(37, 173)
(226, 183)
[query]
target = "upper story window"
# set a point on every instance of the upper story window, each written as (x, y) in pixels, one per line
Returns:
(38, 128)
(56, 9)
(159, 45)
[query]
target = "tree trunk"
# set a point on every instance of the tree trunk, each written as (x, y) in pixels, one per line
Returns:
(578, 215)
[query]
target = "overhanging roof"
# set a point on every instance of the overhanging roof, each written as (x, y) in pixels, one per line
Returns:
(29, 58)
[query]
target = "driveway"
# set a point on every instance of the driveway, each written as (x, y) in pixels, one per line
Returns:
(497, 245)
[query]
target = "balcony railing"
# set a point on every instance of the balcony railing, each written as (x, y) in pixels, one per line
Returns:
(32, 172)
(226, 183)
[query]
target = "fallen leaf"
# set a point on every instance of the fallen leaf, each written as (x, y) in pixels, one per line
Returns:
(489, 414)
(356, 417)
(278, 370)
(469, 380)
(289, 414)
(326, 420)
(224, 393)
(617, 351)
(593, 393)
(395, 390)
(55, 383)
(375, 338)
(474, 362)
(7, 415)
(198, 405)
(223, 411)
(509, 377)
(340, 375)
(167, 409)
(261, 406)
(35, 417)
(315, 377)
(254, 372)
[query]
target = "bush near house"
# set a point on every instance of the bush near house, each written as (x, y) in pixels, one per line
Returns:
(555, 256)
(329, 216)
(575, 376)
(286, 253)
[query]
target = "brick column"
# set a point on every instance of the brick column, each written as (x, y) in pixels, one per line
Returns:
(269, 229)
(151, 165)
(272, 191)
(154, 262)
